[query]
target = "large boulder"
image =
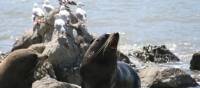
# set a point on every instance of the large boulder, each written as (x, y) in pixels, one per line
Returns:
(64, 55)
(162, 77)
(48, 82)
(195, 62)
(63, 60)
(157, 54)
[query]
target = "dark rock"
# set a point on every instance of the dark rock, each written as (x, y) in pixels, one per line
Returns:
(195, 62)
(157, 54)
(157, 77)
(48, 82)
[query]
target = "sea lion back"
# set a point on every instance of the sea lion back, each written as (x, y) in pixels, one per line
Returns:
(126, 76)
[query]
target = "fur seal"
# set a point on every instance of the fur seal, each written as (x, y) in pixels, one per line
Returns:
(18, 68)
(100, 68)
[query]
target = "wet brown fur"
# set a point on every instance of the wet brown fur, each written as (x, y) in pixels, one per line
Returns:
(17, 69)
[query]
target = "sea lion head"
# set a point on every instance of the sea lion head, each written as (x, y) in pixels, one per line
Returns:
(99, 63)
(102, 46)
(18, 68)
(23, 60)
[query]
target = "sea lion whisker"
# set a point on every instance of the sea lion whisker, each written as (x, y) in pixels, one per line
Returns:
(108, 42)
(105, 45)
(101, 48)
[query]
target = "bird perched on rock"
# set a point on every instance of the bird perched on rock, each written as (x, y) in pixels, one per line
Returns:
(80, 13)
(67, 2)
(71, 2)
(47, 7)
(64, 14)
(37, 12)
(59, 25)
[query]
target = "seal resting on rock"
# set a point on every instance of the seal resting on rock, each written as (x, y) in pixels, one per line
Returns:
(100, 68)
(18, 68)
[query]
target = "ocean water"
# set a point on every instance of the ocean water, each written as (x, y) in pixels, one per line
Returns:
(175, 23)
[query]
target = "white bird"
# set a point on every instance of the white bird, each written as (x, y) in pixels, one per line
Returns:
(80, 13)
(47, 7)
(37, 12)
(59, 24)
(64, 14)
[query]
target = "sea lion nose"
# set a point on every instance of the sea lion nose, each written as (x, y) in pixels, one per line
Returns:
(116, 34)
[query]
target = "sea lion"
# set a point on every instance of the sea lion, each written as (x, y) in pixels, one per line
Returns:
(100, 68)
(18, 68)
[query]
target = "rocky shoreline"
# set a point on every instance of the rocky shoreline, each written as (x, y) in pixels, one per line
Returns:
(65, 52)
